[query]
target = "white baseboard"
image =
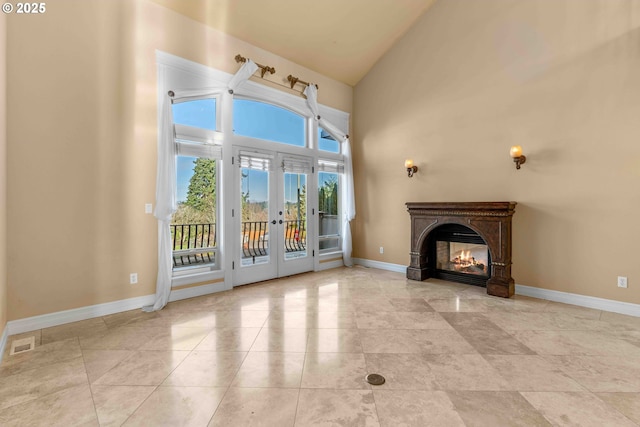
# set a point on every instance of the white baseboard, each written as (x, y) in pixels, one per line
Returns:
(546, 294)
(580, 300)
(330, 264)
(196, 291)
(83, 313)
(76, 314)
(381, 265)
(3, 341)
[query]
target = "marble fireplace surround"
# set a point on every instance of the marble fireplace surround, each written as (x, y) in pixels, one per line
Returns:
(491, 220)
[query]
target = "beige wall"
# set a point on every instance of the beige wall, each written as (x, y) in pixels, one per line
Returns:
(3, 174)
(560, 78)
(82, 144)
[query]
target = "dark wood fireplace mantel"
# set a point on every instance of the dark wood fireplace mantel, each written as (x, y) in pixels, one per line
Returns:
(491, 220)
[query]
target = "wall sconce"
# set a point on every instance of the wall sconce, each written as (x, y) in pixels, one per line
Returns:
(516, 154)
(411, 169)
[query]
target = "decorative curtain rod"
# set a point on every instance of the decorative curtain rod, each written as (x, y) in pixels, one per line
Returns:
(263, 68)
(294, 80)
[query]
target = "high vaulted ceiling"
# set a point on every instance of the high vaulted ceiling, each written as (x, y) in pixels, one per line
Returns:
(341, 39)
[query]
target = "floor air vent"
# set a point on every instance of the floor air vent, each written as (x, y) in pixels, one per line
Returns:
(22, 345)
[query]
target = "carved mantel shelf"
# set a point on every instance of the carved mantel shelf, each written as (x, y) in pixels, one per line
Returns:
(491, 220)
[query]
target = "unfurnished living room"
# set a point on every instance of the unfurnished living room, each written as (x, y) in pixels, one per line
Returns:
(320, 213)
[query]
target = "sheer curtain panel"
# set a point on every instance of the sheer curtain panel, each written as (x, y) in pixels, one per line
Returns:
(166, 179)
(348, 196)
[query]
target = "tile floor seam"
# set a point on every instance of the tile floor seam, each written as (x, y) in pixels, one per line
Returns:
(295, 414)
(113, 367)
(372, 390)
(84, 362)
(35, 399)
(609, 404)
(246, 354)
(613, 408)
(40, 367)
(219, 403)
(37, 367)
(137, 407)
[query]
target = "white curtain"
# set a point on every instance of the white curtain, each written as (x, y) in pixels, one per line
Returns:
(165, 204)
(348, 195)
(166, 180)
(348, 203)
(242, 75)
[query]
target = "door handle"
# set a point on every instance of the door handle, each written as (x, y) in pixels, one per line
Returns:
(280, 222)
(273, 222)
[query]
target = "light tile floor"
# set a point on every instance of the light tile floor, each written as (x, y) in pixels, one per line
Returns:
(295, 352)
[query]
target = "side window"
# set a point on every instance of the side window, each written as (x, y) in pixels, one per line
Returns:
(265, 121)
(329, 205)
(194, 224)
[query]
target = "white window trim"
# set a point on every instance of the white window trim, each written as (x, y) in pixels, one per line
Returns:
(192, 274)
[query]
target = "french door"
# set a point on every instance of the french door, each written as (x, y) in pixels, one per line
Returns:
(275, 234)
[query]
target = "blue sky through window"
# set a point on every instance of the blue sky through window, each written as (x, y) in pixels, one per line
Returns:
(184, 171)
(291, 186)
(255, 182)
(264, 121)
(326, 142)
(255, 119)
(200, 113)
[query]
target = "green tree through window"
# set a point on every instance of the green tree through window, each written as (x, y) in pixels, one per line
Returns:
(328, 195)
(200, 204)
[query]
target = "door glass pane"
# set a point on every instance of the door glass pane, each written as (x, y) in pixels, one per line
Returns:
(266, 121)
(328, 196)
(200, 113)
(255, 216)
(193, 225)
(295, 215)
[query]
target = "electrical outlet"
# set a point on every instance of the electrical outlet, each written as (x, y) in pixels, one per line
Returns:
(622, 282)
(148, 208)
(133, 278)
(381, 250)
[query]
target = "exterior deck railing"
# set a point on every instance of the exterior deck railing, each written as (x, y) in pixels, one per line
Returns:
(255, 237)
(295, 236)
(193, 244)
(196, 243)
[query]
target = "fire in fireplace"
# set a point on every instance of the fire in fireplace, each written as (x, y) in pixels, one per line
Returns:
(462, 257)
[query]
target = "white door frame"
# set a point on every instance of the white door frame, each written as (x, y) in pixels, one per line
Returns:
(275, 263)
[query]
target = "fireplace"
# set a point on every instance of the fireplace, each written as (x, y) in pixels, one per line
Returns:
(463, 242)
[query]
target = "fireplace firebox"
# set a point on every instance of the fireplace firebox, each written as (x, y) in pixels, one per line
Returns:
(459, 254)
(468, 242)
